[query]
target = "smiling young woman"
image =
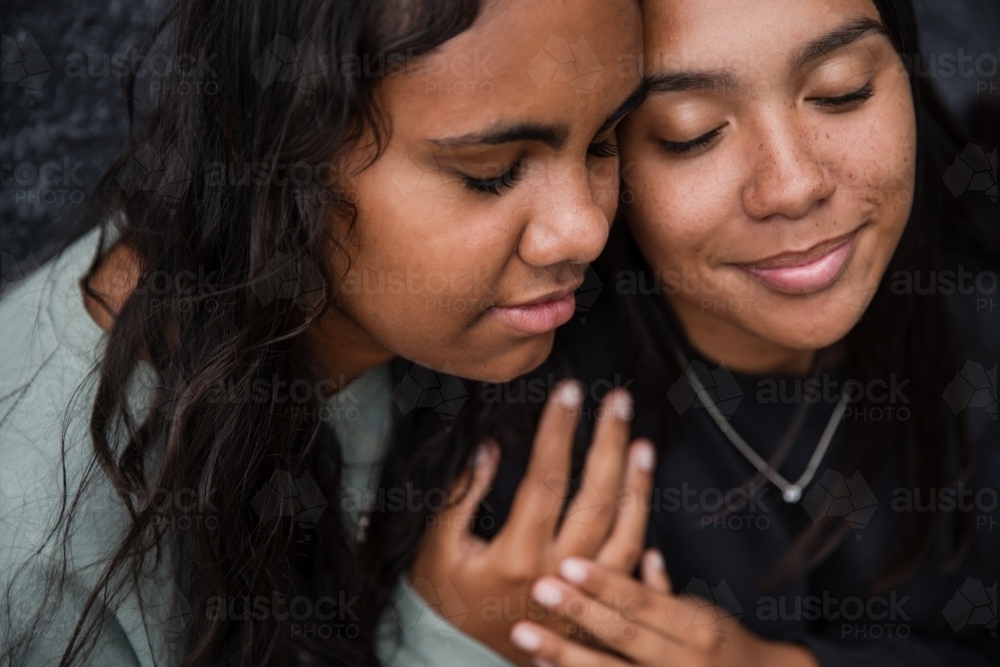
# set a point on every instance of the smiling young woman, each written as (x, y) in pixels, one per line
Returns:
(361, 182)
(782, 302)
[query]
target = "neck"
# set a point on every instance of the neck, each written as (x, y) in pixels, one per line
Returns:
(343, 349)
(724, 342)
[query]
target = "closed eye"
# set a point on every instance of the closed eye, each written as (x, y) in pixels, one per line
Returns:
(495, 185)
(603, 149)
(681, 147)
(842, 102)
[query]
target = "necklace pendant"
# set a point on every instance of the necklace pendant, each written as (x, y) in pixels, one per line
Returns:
(792, 494)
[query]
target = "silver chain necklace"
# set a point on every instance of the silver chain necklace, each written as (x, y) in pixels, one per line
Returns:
(790, 493)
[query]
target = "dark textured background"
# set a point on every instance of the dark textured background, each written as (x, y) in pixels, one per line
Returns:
(79, 121)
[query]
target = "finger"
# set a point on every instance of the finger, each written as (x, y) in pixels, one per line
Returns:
(449, 532)
(610, 623)
(540, 497)
(676, 617)
(654, 572)
(548, 648)
(622, 550)
(470, 489)
(592, 511)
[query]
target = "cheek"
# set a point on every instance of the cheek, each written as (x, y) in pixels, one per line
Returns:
(604, 180)
(422, 264)
(875, 159)
(678, 211)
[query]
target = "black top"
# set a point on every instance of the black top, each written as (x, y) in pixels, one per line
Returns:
(721, 539)
(722, 533)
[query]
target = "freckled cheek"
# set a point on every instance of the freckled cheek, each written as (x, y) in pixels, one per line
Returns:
(873, 160)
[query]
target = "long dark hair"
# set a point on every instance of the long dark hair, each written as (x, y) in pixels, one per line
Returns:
(255, 240)
(231, 178)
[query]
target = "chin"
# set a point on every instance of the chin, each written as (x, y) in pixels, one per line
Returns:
(812, 333)
(522, 357)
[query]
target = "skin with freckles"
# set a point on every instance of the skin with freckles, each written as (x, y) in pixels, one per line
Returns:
(772, 167)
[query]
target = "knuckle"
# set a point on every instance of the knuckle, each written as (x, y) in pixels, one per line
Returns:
(519, 569)
(703, 636)
(644, 600)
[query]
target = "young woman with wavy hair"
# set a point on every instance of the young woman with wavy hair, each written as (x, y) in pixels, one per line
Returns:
(198, 397)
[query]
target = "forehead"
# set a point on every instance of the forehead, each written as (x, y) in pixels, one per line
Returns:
(739, 35)
(523, 59)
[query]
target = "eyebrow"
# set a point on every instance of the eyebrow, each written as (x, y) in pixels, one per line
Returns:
(550, 135)
(838, 38)
(676, 82)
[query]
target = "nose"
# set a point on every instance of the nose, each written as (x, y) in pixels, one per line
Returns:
(787, 178)
(568, 223)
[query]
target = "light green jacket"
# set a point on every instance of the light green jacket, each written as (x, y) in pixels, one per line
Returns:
(49, 347)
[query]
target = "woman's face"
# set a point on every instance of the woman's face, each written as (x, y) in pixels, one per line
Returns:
(772, 165)
(496, 188)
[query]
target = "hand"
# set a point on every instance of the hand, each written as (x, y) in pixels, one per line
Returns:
(644, 622)
(488, 583)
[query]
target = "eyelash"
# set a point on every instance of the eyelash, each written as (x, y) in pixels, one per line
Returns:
(506, 180)
(603, 149)
(494, 185)
(859, 95)
(680, 147)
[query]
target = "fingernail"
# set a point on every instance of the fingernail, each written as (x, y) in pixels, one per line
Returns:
(655, 560)
(482, 455)
(573, 569)
(621, 405)
(538, 662)
(643, 456)
(546, 593)
(525, 638)
(570, 395)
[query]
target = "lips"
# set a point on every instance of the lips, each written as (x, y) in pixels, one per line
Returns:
(541, 315)
(807, 271)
